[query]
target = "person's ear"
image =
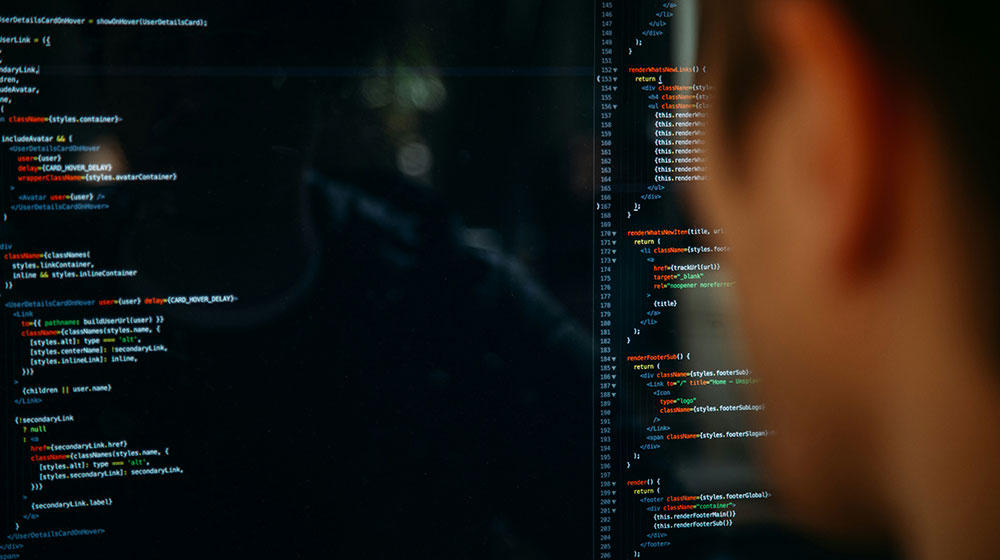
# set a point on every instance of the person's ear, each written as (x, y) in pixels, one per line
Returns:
(837, 104)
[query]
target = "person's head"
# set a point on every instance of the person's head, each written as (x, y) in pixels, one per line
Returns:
(850, 156)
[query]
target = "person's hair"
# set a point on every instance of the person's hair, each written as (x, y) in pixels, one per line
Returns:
(947, 52)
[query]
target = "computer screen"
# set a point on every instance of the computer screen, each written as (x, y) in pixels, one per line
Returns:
(368, 279)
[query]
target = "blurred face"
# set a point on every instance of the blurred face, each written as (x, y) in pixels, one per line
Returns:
(837, 185)
(756, 194)
(783, 187)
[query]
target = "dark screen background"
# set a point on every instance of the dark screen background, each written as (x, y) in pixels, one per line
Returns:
(400, 196)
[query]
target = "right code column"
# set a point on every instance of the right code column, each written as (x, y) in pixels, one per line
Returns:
(676, 415)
